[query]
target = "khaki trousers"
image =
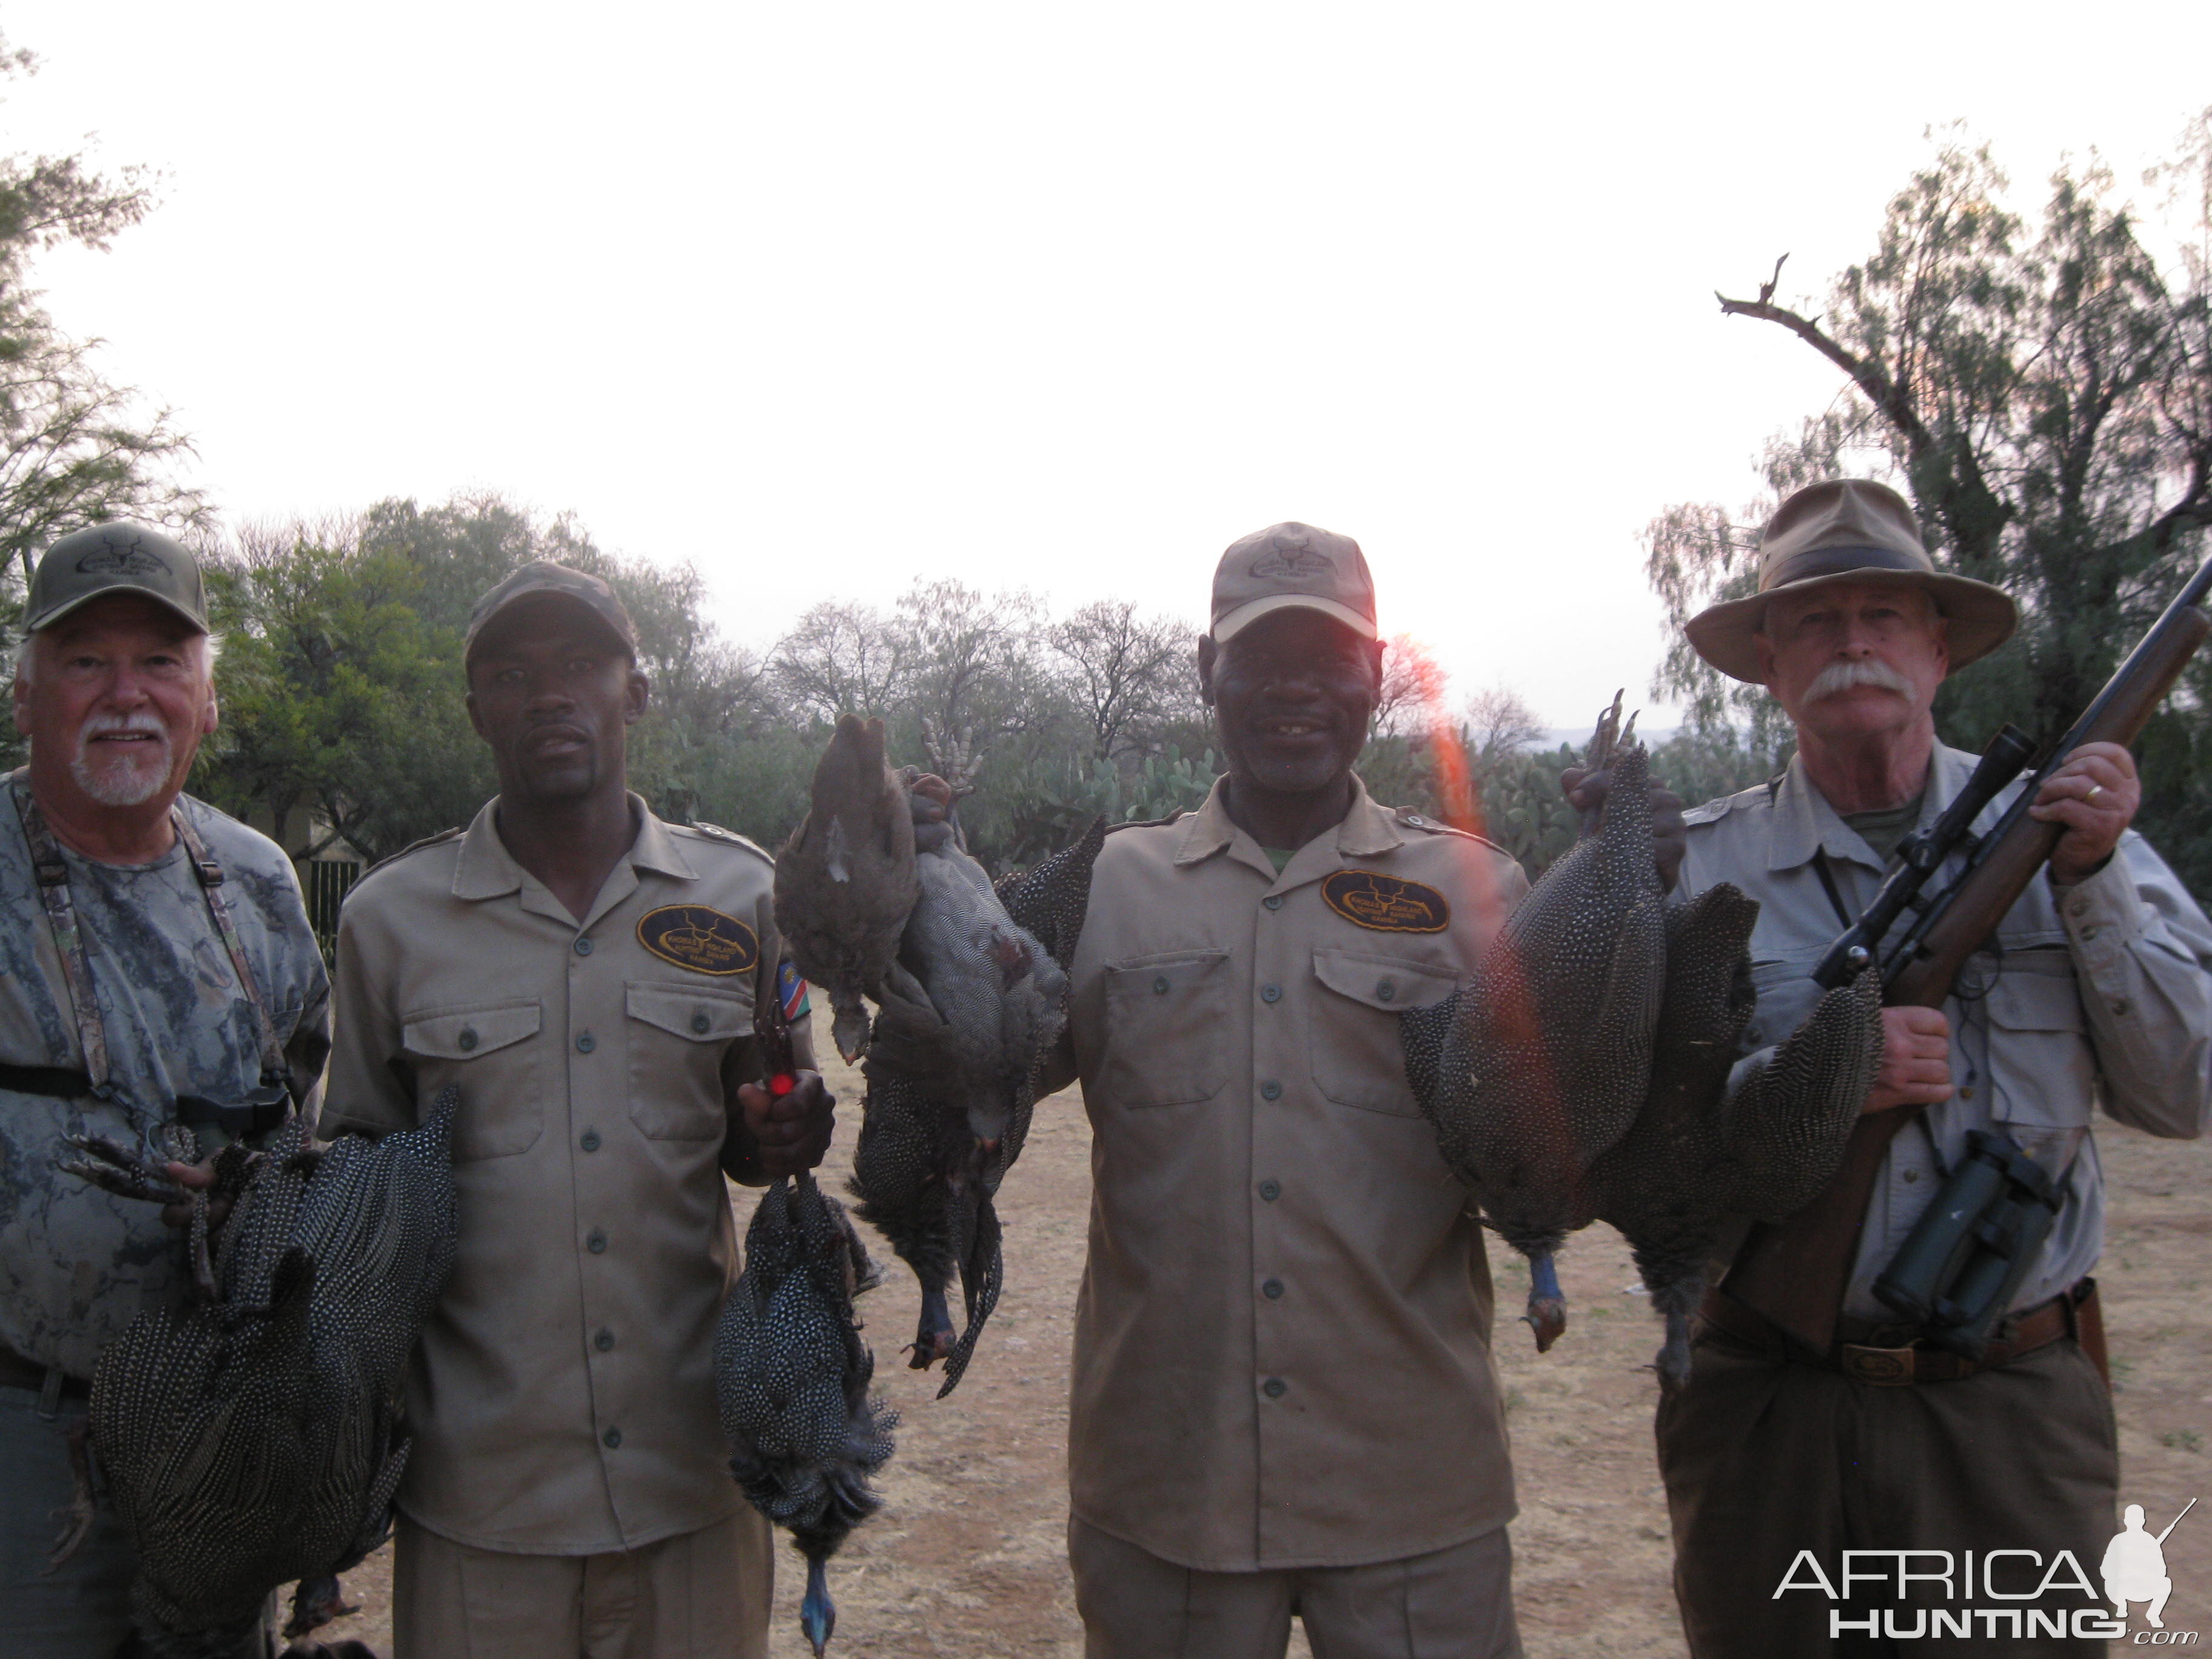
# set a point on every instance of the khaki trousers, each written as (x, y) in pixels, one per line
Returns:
(1456, 1603)
(1764, 1456)
(702, 1594)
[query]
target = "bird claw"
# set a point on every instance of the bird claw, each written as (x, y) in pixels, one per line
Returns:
(76, 1516)
(316, 1602)
(932, 1338)
(817, 1613)
(114, 1168)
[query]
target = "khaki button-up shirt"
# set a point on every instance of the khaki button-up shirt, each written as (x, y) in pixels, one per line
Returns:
(561, 1399)
(1282, 1346)
(2096, 995)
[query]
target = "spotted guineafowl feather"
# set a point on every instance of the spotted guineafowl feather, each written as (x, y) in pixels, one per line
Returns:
(790, 1381)
(256, 1441)
(844, 882)
(935, 1141)
(1536, 1066)
(1701, 1162)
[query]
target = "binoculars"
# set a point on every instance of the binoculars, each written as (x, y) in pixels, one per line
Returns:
(1957, 1272)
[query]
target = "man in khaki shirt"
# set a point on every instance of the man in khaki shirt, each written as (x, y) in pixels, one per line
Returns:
(586, 975)
(1283, 1395)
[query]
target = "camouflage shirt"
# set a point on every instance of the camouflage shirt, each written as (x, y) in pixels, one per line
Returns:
(76, 1264)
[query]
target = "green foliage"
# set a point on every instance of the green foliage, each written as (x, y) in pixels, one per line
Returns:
(2045, 400)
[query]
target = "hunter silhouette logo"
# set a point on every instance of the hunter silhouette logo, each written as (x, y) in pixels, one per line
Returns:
(2134, 1568)
(695, 937)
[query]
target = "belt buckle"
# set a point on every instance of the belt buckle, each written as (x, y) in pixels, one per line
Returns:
(1884, 1368)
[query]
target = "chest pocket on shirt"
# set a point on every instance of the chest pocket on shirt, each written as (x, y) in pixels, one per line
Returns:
(1167, 1029)
(1357, 1057)
(503, 1103)
(2039, 1058)
(678, 1036)
(1786, 996)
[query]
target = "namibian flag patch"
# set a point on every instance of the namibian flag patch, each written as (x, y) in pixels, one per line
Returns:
(790, 990)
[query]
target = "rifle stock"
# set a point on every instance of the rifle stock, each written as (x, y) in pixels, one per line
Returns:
(1795, 1274)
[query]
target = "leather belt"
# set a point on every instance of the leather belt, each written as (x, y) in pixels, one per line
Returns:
(2064, 1315)
(17, 1372)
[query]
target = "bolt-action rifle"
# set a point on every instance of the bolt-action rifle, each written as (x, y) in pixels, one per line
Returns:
(1795, 1274)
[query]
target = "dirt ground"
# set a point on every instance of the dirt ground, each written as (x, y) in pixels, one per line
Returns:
(967, 1558)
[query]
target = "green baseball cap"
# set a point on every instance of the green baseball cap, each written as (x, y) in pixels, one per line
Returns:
(115, 558)
(545, 577)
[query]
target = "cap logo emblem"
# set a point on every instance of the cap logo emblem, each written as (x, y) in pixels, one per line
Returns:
(705, 940)
(122, 562)
(1291, 563)
(1386, 904)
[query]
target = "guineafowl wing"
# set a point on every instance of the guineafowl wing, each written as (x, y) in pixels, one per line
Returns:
(1788, 1124)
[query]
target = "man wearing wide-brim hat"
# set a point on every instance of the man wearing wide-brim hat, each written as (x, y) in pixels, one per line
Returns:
(2095, 992)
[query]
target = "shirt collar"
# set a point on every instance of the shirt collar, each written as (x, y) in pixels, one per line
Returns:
(487, 870)
(1366, 829)
(1804, 822)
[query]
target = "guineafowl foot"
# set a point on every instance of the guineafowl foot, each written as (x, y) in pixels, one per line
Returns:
(76, 1516)
(817, 1613)
(932, 1338)
(1548, 1306)
(114, 1168)
(1673, 1364)
(314, 1604)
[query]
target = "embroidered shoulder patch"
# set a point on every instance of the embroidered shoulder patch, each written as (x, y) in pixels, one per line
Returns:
(704, 940)
(1386, 903)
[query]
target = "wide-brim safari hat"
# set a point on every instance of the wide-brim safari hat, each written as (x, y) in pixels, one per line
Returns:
(1843, 531)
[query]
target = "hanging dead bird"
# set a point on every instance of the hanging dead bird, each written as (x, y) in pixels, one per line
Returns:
(1540, 1062)
(966, 1022)
(791, 1373)
(256, 1441)
(844, 882)
(792, 1378)
(1699, 1162)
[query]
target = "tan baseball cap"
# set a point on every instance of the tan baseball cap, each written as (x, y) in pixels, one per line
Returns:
(1289, 566)
(545, 577)
(1841, 530)
(115, 558)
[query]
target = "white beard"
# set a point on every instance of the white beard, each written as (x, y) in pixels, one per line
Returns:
(126, 774)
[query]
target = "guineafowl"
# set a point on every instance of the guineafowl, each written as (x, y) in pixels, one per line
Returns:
(791, 1380)
(256, 1441)
(844, 882)
(1539, 1064)
(945, 1117)
(1698, 1161)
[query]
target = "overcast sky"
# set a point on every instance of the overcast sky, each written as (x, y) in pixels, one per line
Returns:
(823, 297)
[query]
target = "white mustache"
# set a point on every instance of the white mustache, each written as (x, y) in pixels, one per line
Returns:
(1839, 677)
(136, 726)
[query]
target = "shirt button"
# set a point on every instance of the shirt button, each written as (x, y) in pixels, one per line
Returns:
(1271, 993)
(1911, 1176)
(467, 1039)
(1274, 901)
(583, 947)
(1386, 992)
(590, 1142)
(1752, 1034)
(1271, 1090)
(1271, 1190)
(1273, 1289)
(700, 1022)
(585, 1043)
(2089, 934)
(1414, 819)
(597, 1243)
(1967, 1093)
(1160, 986)
(2119, 1005)
(604, 1340)
(613, 1438)
(1274, 1387)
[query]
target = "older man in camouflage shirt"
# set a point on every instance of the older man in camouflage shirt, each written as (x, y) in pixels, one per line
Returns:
(138, 990)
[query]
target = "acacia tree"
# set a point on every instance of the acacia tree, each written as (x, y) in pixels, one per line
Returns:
(2044, 399)
(1126, 674)
(74, 448)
